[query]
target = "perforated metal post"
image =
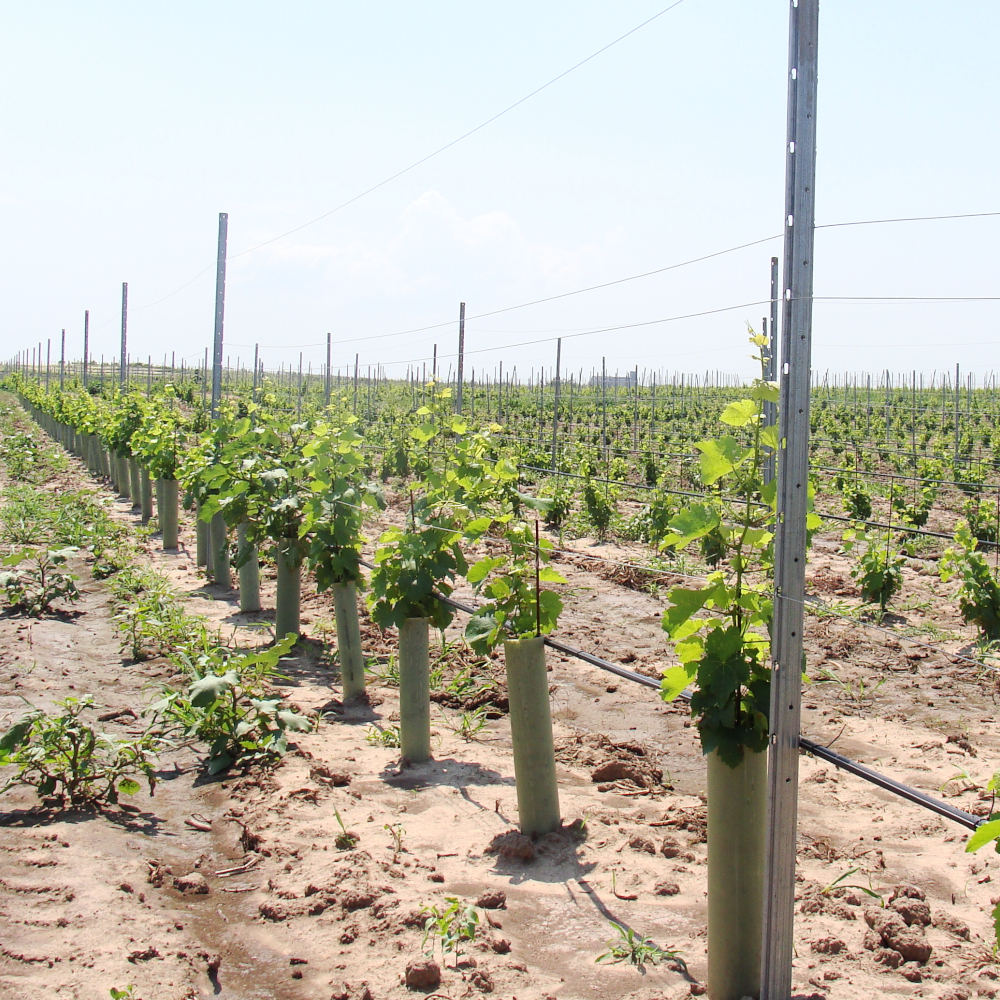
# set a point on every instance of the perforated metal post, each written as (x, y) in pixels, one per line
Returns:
(461, 357)
(555, 404)
(62, 362)
(86, 344)
(793, 489)
(123, 368)
(326, 393)
(770, 373)
(220, 312)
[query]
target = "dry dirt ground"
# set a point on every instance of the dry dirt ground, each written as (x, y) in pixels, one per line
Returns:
(89, 902)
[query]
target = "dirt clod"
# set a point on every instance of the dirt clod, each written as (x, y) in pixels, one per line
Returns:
(670, 848)
(194, 883)
(913, 911)
(889, 957)
(667, 889)
(907, 892)
(329, 776)
(641, 843)
(143, 955)
(908, 941)
(954, 925)
(482, 980)
(422, 974)
(828, 946)
(513, 845)
(492, 899)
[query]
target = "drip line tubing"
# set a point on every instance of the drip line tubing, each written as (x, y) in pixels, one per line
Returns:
(914, 795)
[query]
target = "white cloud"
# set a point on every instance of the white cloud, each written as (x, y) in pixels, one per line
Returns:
(434, 244)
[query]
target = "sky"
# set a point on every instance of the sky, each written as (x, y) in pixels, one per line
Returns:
(128, 127)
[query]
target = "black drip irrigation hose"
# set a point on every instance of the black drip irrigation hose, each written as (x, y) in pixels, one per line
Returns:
(824, 753)
(903, 528)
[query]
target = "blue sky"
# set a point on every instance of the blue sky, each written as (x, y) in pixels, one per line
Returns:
(129, 127)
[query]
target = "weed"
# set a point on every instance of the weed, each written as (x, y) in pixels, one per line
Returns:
(154, 622)
(33, 588)
(469, 725)
(346, 840)
(63, 758)
(395, 831)
(227, 707)
(387, 673)
(637, 950)
(24, 518)
(450, 928)
(379, 737)
(839, 883)
(124, 992)
(859, 693)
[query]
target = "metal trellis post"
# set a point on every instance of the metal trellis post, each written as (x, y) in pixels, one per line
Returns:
(461, 357)
(326, 393)
(793, 490)
(555, 405)
(123, 367)
(220, 311)
(770, 373)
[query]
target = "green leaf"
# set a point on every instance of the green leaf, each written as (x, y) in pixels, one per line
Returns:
(482, 569)
(479, 631)
(128, 786)
(209, 689)
(219, 763)
(14, 736)
(690, 650)
(550, 605)
(683, 604)
(720, 457)
(477, 527)
(695, 522)
(423, 433)
(983, 835)
(739, 414)
(769, 436)
(293, 721)
(766, 391)
(675, 680)
(549, 575)
(535, 503)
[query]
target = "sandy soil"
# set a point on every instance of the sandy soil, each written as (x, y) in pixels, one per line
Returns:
(88, 902)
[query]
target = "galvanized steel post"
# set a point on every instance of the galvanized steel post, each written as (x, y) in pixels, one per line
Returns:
(461, 357)
(220, 310)
(123, 368)
(770, 409)
(86, 344)
(793, 491)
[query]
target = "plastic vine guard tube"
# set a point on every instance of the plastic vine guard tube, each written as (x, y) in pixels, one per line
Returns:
(531, 732)
(414, 691)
